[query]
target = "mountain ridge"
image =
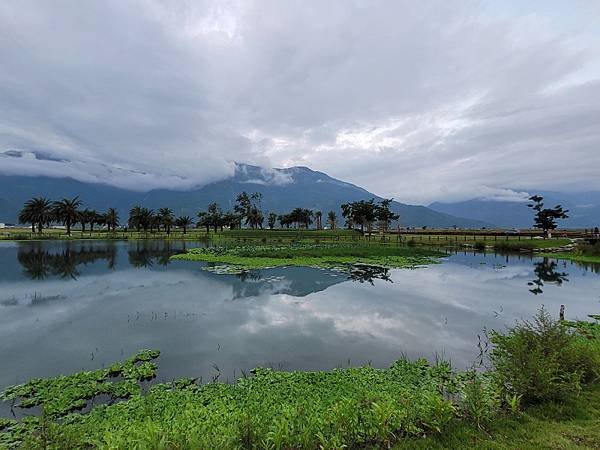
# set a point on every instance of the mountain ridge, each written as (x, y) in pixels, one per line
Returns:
(584, 210)
(282, 190)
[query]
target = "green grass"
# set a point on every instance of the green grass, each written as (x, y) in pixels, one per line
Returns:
(24, 234)
(500, 243)
(573, 257)
(583, 253)
(248, 257)
(574, 424)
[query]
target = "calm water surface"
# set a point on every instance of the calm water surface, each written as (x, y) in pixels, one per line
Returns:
(65, 307)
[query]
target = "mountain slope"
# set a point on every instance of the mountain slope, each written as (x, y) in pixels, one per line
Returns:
(282, 190)
(584, 210)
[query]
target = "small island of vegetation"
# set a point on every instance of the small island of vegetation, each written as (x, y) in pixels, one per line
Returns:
(245, 257)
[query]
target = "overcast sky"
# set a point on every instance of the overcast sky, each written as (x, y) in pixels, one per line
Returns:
(417, 100)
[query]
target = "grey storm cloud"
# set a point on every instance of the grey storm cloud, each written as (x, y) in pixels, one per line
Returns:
(422, 101)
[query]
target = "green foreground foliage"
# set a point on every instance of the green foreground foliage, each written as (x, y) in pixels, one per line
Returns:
(571, 424)
(246, 257)
(541, 392)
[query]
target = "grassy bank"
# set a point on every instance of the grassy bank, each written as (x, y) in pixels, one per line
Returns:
(583, 253)
(572, 256)
(539, 393)
(244, 235)
(285, 236)
(24, 234)
(312, 255)
(499, 243)
(572, 424)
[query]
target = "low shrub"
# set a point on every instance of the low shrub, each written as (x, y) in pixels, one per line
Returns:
(588, 250)
(479, 245)
(480, 397)
(508, 246)
(543, 359)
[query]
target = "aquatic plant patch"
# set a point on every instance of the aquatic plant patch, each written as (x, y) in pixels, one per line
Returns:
(59, 396)
(312, 255)
(352, 407)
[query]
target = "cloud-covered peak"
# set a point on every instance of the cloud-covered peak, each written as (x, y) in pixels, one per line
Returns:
(437, 100)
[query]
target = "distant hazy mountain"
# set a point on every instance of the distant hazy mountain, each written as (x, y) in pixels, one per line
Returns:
(584, 210)
(282, 189)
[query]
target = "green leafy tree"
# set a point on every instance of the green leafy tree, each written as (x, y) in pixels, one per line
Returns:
(231, 220)
(272, 219)
(362, 212)
(248, 206)
(384, 214)
(215, 216)
(37, 211)
(545, 218)
(203, 220)
(66, 211)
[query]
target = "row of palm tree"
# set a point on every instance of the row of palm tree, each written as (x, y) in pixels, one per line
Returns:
(40, 212)
(146, 219)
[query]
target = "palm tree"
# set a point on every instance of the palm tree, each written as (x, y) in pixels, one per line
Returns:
(318, 216)
(97, 219)
(184, 222)
(166, 218)
(66, 212)
(87, 216)
(111, 219)
(255, 217)
(37, 211)
(154, 221)
(135, 218)
(332, 219)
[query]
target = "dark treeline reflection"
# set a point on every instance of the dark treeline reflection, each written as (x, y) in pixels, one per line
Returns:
(546, 271)
(361, 273)
(367, 274)
(40, 261)
(149, 253)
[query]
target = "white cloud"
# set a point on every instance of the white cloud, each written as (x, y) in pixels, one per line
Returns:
(440, 100)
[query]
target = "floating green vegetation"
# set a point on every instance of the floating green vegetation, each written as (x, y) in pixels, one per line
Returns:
(249, 257)
(59, 396)
(352, 407)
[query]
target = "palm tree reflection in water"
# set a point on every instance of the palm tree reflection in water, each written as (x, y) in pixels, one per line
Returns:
(40, 261)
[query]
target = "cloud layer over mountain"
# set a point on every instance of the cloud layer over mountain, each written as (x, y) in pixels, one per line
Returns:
(435, 100)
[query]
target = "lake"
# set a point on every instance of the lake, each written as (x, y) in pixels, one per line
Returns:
(68, 306)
